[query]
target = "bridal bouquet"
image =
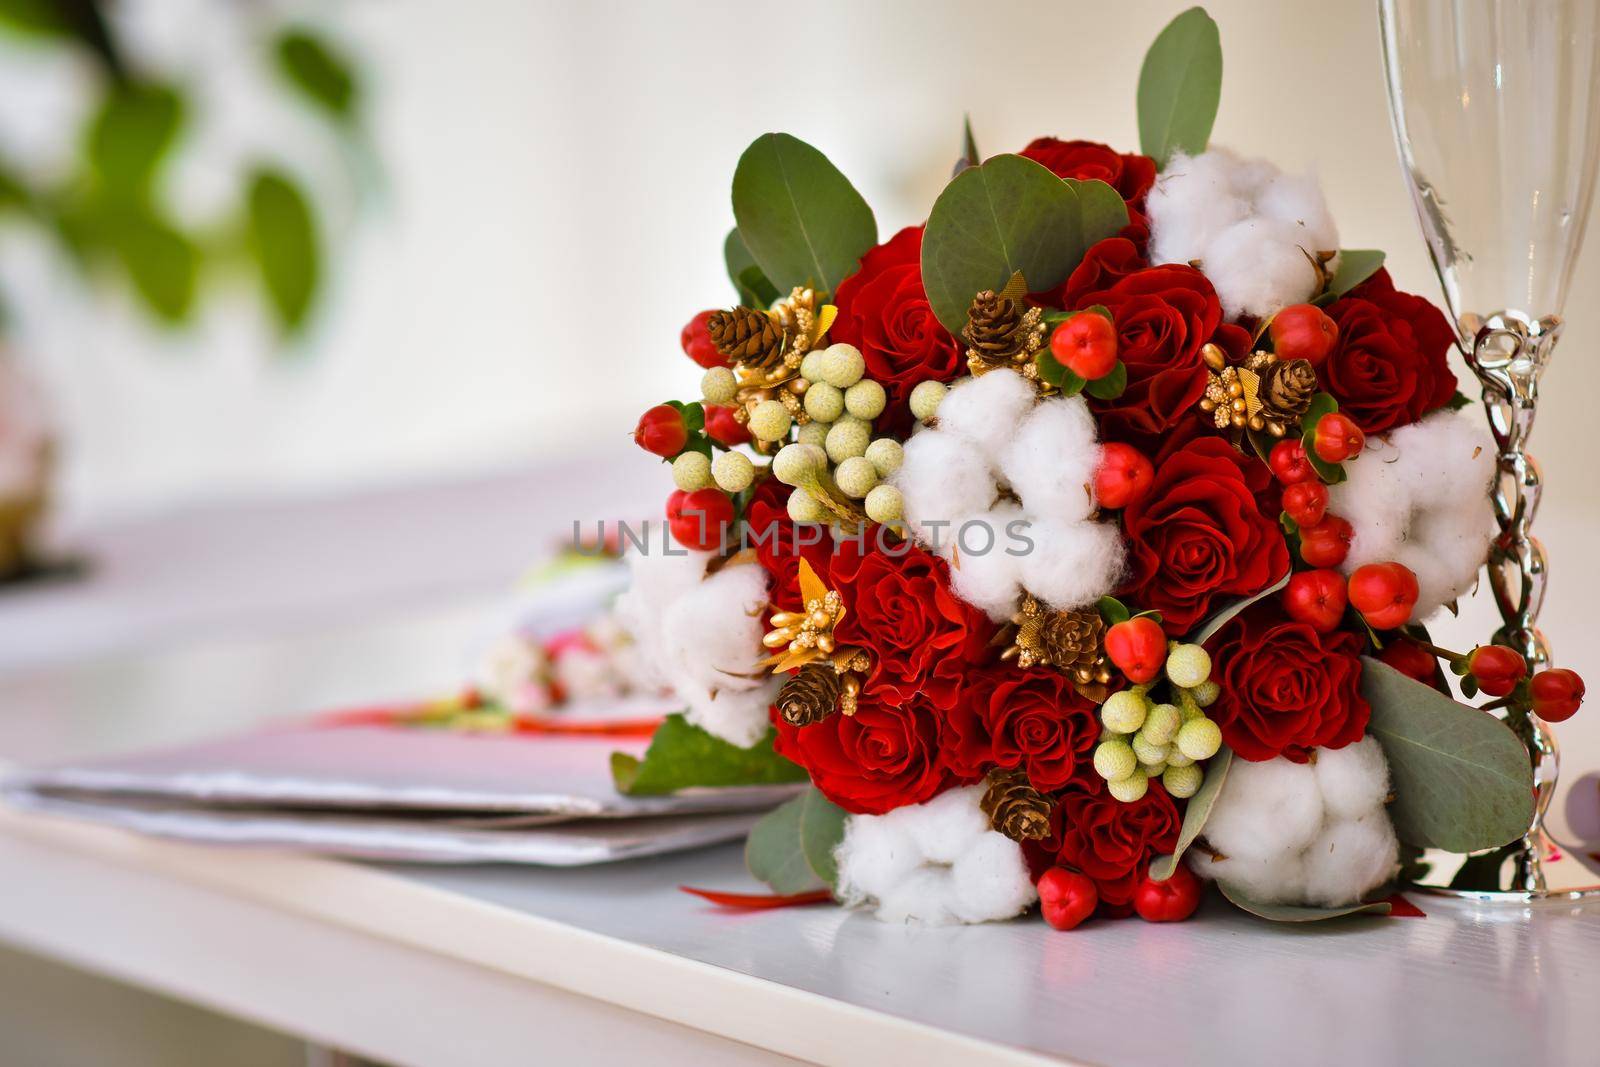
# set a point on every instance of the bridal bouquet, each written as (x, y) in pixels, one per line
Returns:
(1075, 545)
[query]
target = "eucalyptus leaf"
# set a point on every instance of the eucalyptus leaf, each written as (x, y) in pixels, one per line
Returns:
(791, 847)
(1356, 265)
(1299, 913)
(1007, 215)
(130, 135)
(802, 220)
(1462, 781)
(283, 242)
(161, 261)
(1209, 629)
(754, 289)
(318, 71)
(1195, 814)
(682, 756)
(1180, 85)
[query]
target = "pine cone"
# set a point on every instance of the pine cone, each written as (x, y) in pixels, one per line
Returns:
(993, 323)
(748, 336)
(1015, 808)
(811, 694)
(1071, 640)
(1287, 387)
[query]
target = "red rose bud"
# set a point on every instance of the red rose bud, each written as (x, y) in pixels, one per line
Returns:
(1066, 898)
(1086, 344)
(723, 428)
(696, 341)
(1306, 502)
(1496, 669)
(661, 431)
(1327, 543)
(700, 520)
(1316, 598)
(1303, 332)
(1557, 693)
(1124, 475)
(1171, 901)
(1289, 463)
(1138, 647)
(1411, 660)
(1337, 438)
(1384, 593)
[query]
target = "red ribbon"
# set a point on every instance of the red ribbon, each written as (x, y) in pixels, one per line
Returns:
(759, 901)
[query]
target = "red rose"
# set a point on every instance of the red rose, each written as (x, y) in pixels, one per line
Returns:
(1199, 537)
(1389, 366)
(1130, 175)
(1286, 689)
(1111, 842)
(1021, 718)
(883, 311)
(1106, 263)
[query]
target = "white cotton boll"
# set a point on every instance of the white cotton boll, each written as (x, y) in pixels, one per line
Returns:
(987, 409)
(1280, 879)
(942, 478)
(656, 580)
(1260, 265)
(738, 717)
(1192, 202)
(982, 571)
(1070, 565)
(945, 827)
(710, 643)
(1297, 199)
(1050, 460)
(875, 854)
(1266, 810)
(1349, 859)
(1354, 780)
(925, 896)
(991, 880)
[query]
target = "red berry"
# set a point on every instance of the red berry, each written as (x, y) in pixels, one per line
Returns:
(696, 341)
(700, 520)
(1306, 502)
(1124, 475)
(1066, 897)
(1411, 660)
(1557, 693)
(1086, 344)
(1384, 593)
(1303, 332)
(1171, 901)
(1289, 463)
(1327, 543)
(1337, 438)
(1496, 668)
(723, 428)
(1316, 598)
(1138, 647)
(661, 430)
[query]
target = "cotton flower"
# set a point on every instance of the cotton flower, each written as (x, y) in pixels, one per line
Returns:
(1253, 229)
(515, 674)
(1419, 496)
(1303, 833)
(937, 863)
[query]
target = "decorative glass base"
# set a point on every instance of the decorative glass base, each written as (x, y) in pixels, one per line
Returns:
(1502, 876)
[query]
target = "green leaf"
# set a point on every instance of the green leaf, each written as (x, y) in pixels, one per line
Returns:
(1010, 214)
(682, 756)
(969, 148)
(1195, 814)
(134, 129)
(754, 289)
(1113, 610)
(161, 261)
(1226, 615)
(283, 241)
(318, 71)
(1111, 386)
(1356, 265)
(1322, 404)
(1051, 371)
(1298, 913)
(1458, 401)
(802, 220)
(1180, 85)
(45, 18)
(1462, 780)
(791, 848)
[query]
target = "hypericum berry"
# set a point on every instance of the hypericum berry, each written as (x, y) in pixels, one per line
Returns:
(1131, 788)
(661, 431)
(1557, 694)
(1171, 901)
(1384, 593)
(733, 472)
(696, 341)
(718, 386)
(1188, 665)
(886, 455)
(702, 519)
(847, 438)
(885, 505)
(1146, 751)
(856, 477)
(1305, 502)
(723, 428)
(1086, 344)
(842, 365)
(1114, 760)
(865, 399)
(1289, 463)
(770, 421)
(1206, 693)
(1496, 668)
(1337, 438)
(823, 402)
(1411, 660)
(1183, 780)
(1124, 475)
(691, 471)
(1066, 898)
(795, 463)
(1124, 711)
(1138, 648)
(803, 507)
(1327, 543)
(925, 400)
(1316, 598)
(811, 366)
(1199, 739)
(1303, 332)
(1160, 726)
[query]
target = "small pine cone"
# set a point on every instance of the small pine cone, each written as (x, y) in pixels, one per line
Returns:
(1072, 640)
(1015, 808)
(811, 694)
(1287, 388)
(994, 329)
(748, 336)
